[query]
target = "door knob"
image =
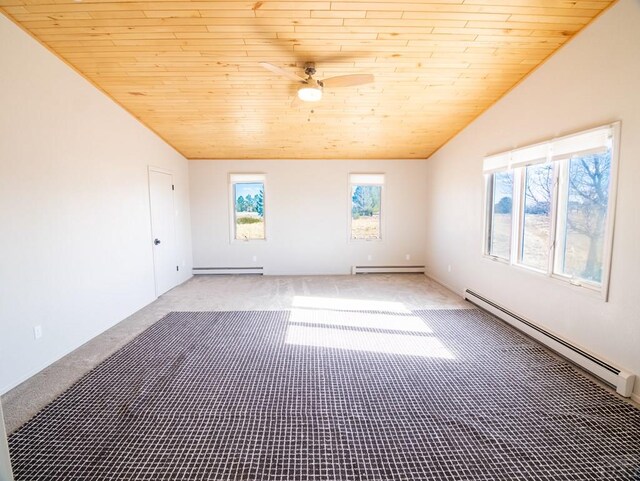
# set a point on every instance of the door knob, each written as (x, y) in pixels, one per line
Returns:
(156, 241)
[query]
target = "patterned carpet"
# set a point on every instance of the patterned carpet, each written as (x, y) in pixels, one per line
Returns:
(332, 396)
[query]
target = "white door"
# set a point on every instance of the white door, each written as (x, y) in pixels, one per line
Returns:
(163, 230)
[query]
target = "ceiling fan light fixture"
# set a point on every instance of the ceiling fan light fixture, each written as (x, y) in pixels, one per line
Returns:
(310, 94)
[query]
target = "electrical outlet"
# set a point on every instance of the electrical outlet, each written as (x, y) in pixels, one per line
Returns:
(369, 257)
(255, 258)
(449, 268)
(37, 331)
(407, 257)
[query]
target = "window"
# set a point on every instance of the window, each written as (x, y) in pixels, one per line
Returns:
(536, 216)
(583, 223)
(248, 206)
(366, 206)
(550, 209)
(500, 220)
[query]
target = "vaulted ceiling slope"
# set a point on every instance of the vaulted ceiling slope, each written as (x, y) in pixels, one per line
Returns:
(190, 69)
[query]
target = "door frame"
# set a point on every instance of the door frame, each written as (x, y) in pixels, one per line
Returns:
(160, 170)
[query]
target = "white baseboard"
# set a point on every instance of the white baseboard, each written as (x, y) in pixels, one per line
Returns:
(219, 271)
(387, 269)
(616, 376)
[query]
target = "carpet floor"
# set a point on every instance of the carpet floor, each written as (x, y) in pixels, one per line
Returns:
(331, 395)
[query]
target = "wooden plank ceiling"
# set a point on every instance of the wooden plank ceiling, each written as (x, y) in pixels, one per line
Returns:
(189, 69)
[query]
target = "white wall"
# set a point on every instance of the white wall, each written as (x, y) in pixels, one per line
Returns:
(307, 214)
(74, 208)
(593, 80)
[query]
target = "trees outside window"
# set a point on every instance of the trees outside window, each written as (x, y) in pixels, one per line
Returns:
(501, 215)
(248, 213)
(585, 220)
(549, 206)
(536, 216)
(366, 206)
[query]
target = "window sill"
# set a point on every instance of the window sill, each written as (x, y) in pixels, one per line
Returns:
(499, 260)
(247, 241)
(577, 287)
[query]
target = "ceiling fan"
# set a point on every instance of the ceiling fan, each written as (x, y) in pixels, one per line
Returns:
(311, 91)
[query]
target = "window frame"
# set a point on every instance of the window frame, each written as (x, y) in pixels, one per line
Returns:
(522, 172)
(489, 182)
(607, 247)
(382, 217)
(559, 203)
(259, 178)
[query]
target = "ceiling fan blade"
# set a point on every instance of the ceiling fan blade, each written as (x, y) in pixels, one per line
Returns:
(283, 72)
(347, 81)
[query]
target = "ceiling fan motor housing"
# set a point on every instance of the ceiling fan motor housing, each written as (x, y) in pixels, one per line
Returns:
(312, 88)
(310, 68)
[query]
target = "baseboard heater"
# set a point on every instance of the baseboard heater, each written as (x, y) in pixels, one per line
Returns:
(622, 381)
(228, 270)
(386, 269)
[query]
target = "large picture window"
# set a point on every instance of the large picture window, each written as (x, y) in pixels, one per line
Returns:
(248, 206)
(550, 209)
(366, 206)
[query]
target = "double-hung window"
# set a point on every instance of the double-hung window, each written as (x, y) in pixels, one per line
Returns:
(550, 206)
(247, 192)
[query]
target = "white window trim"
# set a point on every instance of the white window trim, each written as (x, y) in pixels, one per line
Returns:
(244, 178)
(502, 162)
(519, 241)
(487, 206)
(350, 184)
(516, 218)
(487, 219)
